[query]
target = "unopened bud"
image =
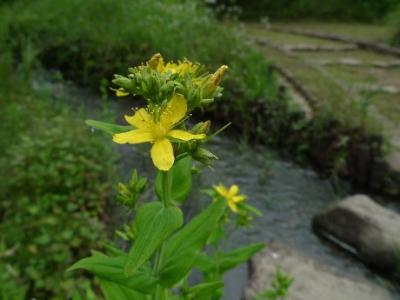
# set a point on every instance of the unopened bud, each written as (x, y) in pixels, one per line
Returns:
(204, 156)
(123, 82)
(154, 61)
(202, 127)
(217, 76)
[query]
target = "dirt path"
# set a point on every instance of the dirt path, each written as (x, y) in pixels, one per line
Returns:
(355, 83)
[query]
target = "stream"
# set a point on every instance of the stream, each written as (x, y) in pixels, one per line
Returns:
(287, 195)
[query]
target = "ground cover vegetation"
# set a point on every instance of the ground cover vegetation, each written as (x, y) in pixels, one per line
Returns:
(55, 184)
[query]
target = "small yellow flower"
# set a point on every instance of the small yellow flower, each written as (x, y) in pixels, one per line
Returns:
(232, 196)
(158, 132)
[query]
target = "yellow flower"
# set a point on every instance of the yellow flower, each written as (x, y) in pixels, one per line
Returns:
(232, 196)
(159, 132)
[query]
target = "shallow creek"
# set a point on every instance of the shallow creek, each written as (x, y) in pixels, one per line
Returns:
(287, 195)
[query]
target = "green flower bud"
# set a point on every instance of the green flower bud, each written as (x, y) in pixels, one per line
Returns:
(204, 156)
(202, 127)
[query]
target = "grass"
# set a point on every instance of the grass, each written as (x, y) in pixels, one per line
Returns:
(258, 30)
(361, 55)
(360, 31)
(338, 88)
(92, 40)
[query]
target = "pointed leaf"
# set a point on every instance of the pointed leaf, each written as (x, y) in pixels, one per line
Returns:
(115, 291)
(108, 127)
(183, 247)
(154, 223)
(111, 269)
(205, 290)
(240, 255)
(196, 232)
(177, 267)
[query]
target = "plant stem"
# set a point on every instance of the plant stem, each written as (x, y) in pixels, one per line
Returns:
(166, 190)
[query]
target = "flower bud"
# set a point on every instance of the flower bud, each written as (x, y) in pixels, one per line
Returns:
(217, 76)
(154, 61)
(202, 127)
(123, 82)
(204, 156)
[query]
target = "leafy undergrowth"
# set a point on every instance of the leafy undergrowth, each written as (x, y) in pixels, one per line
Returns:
(55, 184)
(92, 40)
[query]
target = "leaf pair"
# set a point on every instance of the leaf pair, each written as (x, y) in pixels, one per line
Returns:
(182, 249)
(154, 224)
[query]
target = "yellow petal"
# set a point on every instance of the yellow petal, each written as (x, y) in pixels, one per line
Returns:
(162, 154)
(222, 190)
(136, 136)
(121, 93)
(184, 135)
(238, 198)
(233, 206)
(141, 119)
(174, 111)
(233, 190)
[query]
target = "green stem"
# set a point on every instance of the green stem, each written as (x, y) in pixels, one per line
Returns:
(166, 189)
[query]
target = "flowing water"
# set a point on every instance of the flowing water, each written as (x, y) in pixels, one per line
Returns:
(287, 195)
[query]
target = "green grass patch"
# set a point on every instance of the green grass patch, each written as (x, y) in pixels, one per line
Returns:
(55, 184)
(91, 40)
(373, 32)
(360, 55)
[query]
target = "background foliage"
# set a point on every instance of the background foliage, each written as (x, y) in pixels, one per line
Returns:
(358, 10)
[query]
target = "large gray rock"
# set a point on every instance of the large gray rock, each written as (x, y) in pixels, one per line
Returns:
(371, 231)
(312, 281)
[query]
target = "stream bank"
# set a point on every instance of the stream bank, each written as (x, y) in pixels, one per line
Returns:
(288, 195)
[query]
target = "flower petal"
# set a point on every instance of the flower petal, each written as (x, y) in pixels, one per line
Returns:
(233, 190)
(141, 119)
(222, 190)
(239, 198)
(136, 136)
(233, 206)
(162, 154)
(174, 111)
(184, 135)
(121, 93)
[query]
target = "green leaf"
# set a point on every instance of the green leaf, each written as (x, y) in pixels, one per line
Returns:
(111, 269)
(115, 291)
(205, 290)
(181, 180)
(196, 232)
(225, 261)
(233, 258)
(108, 127)
(177, 267)
(154, 223)
(181, 250)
